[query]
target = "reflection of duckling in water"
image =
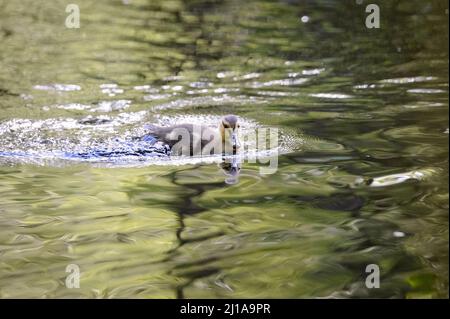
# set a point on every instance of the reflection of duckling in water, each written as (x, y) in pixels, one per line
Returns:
(232, 168)
(193, 139)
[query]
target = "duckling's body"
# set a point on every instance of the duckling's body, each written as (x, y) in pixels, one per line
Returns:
(194, 139)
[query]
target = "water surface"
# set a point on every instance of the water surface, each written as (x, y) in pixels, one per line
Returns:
(362, 179)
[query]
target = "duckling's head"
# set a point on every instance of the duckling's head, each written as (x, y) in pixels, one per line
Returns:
(229, 130)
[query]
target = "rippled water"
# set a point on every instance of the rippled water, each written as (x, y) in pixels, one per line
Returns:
(362, 177)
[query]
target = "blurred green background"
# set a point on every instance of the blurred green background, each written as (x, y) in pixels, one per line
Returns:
(354, 104)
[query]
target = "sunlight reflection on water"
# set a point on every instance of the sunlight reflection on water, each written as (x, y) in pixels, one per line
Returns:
(362, 175)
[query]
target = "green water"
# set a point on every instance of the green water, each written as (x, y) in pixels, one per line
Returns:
(363, 179)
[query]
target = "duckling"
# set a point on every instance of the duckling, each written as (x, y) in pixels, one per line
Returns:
(192, 139)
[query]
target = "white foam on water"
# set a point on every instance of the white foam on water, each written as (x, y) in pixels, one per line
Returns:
(283, 82)
(58, 87)
(331, 96)
(394, 179)
(409, 79)
(425, 91)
